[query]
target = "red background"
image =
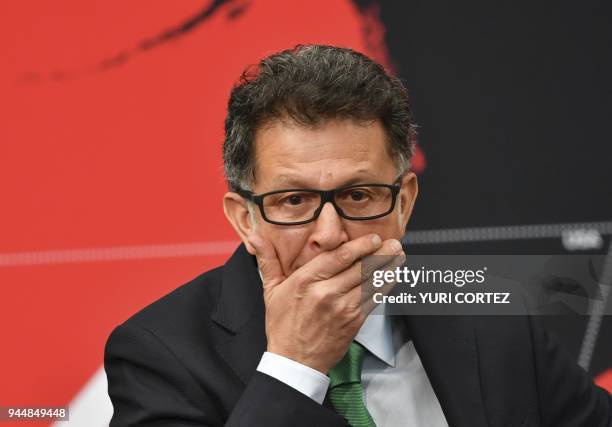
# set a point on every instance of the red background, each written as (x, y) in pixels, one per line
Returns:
(108, 158)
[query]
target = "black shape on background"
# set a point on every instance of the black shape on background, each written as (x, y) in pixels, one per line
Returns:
(514, 103)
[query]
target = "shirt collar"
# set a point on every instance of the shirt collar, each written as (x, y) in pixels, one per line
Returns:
(376, 335)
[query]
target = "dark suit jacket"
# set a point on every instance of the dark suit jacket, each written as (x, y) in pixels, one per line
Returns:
(190, 358)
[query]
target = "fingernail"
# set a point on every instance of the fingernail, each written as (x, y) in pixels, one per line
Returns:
(396, 246)
(376, 240)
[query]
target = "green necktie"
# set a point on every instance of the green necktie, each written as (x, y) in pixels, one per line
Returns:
(345, 389)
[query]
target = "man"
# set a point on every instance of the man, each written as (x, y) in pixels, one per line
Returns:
(317, 154)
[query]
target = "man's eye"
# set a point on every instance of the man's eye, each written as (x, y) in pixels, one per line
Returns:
(357, 196)
(294, 200)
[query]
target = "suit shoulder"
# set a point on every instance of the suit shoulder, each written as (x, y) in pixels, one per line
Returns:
(179, 308)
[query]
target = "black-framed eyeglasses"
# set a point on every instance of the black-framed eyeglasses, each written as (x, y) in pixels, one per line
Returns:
(295, 206)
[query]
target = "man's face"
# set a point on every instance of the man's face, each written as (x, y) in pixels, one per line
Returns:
(334, 154)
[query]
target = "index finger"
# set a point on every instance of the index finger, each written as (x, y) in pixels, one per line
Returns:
(328, 264)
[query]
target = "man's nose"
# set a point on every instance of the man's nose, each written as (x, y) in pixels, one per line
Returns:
(329, 232)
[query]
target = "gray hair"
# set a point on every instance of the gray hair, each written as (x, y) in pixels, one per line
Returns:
(309, 84)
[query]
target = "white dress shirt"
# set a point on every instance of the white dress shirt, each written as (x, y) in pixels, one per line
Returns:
(397, 391)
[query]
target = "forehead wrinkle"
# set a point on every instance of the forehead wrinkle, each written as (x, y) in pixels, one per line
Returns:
(359, 152)
(350, 158)
(323, 177)
(352, 153)
(347, 142)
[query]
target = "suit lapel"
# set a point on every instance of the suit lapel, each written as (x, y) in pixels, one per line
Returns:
(240, 312)
(447, 348)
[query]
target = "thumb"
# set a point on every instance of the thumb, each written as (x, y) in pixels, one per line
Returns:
(267, 260)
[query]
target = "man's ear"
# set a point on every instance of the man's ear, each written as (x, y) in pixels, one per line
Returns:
(407, 197)
(237, 213)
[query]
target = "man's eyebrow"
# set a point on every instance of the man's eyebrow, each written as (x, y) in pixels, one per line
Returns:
(299, 182)
(287, 180)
